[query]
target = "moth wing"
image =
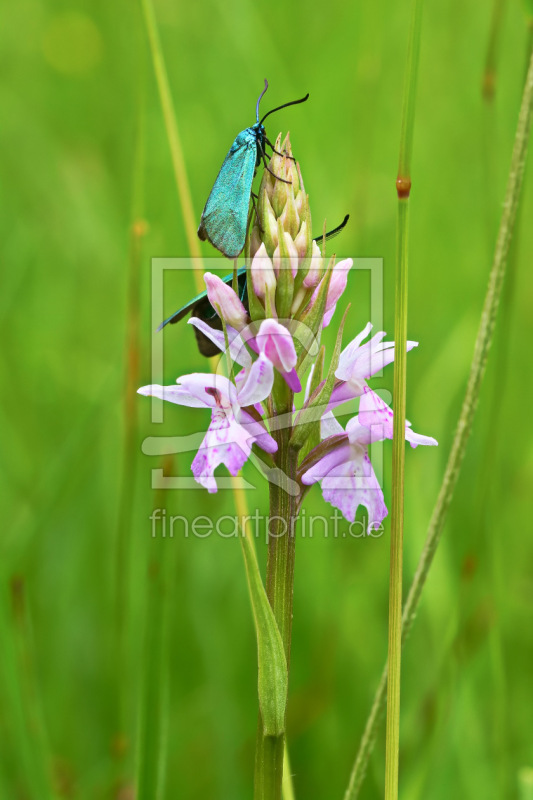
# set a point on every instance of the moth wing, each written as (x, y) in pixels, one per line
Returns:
(225, 216)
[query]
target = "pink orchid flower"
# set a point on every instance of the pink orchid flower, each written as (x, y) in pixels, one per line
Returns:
(337, 285)
(233, 430)
(345, 472)
(358, 362)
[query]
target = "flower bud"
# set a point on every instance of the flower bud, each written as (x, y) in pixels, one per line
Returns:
(300, 242)
(263, 277)
(225, 301)
(255, 239)
(316, 268)
(268, 224)
(289, 218)
(280, 195)
(337, 285)
(289, 251)
(275, 341)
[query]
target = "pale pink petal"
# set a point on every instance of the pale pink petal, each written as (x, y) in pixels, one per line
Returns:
(336, 288)
(213, 388)
(257, 382)
(360, 435)
(359, 361)
(343, 392)
(312, 279)
(344, 369)
(237, 348)
(275, 341)
(225, 301)
(376, 415)
(352, 484)
(263, 275)
(257, 432)
(197, 390)
(174, 394)
(418, 438)
(339, 455)
(330, 425)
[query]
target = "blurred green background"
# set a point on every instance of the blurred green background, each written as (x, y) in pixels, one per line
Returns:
(77, 87)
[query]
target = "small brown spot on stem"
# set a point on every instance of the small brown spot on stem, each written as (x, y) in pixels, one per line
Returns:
(403, 187)
(489, 85)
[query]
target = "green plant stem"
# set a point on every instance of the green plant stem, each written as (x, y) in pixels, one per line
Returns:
(279, 587)
(287, 788)
(403, 187)
(396, 546)
(464, 426)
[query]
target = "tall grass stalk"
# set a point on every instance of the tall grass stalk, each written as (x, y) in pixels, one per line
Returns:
(152, 735)
(403, 185)
(464, 426)
(174, 141)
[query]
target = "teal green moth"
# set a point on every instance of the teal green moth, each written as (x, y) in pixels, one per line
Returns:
(225, 217)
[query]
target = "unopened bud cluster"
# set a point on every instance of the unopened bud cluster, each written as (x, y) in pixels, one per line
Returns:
(286, 264)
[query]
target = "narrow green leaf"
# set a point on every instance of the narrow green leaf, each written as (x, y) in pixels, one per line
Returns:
(272, 681)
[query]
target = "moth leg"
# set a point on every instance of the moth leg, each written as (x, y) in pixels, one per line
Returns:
(277, 152)
(255, 197)
(273, 173)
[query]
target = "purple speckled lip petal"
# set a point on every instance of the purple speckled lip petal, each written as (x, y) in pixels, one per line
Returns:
(352, 484)
(226, 442)
(375, 413)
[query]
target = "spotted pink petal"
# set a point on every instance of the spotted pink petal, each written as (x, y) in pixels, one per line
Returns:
(377, 416)
(197, 390)
(226, 442)
(353, 484)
